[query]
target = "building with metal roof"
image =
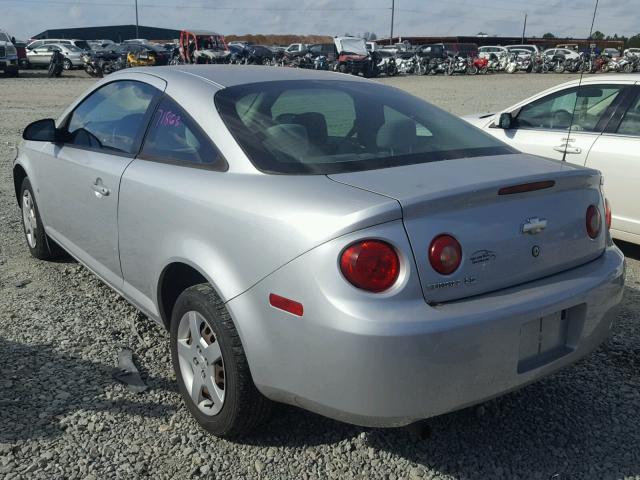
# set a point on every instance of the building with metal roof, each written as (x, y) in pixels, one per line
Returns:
(117, 33)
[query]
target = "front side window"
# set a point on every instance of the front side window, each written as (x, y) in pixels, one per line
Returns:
(112, 118)
(556, 111)
(175, 137)
(322, 127)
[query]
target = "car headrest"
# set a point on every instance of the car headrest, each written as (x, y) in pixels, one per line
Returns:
(288, 138)
(397, 135)
(315, 125)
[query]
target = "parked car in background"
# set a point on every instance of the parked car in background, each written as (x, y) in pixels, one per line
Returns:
(486, 51)
(605, 135)
(81, 44)
(8, 55)
(632, 52)
(160, 55)
(98, 45)
(309, 238)
(563, 52)
(569, 46)
(532, 49)
(136, 41)
(611, 52)
(296, 49)
(39, 57)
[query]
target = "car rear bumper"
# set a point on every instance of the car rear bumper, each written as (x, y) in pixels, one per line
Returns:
(374, 370)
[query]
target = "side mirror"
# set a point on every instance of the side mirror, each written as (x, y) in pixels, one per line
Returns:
(41, 131)
(506, 121)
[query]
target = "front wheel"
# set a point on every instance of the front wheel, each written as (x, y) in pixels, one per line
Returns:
(211, 367)
(472, 70)
(40, 245)
(66, 64)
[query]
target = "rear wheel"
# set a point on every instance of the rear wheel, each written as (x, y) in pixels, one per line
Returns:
(66, 64)
(211, 367)
(40, 245)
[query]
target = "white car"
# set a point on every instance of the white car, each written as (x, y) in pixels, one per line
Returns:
(568, 54)
(81, 44)
(532, 49)
(632, 52)
(486, 51)
(605, 135)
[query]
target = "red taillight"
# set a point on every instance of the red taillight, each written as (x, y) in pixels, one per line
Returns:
(607, 213)
(594, 222)
(286, 304)
(371, 265)
(445, 254)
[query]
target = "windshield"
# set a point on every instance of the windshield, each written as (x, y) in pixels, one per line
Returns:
(72, 48)
(4, 37)
(82, 45)
(323, 127)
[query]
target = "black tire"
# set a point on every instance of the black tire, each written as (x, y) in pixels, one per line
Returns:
(44, 248)
(66, 64)
(244, 407)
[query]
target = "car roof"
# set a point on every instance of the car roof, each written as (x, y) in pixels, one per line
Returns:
(232, 75)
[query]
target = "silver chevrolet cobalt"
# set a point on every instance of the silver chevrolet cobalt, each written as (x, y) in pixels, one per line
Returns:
(322, 240)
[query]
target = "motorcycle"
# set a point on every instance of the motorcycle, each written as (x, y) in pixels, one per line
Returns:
(519, 63)
(479, 65)
(405, 64)
(497, 64)
(457, 64)
(438, 65)
(321, 62)
(56, 64)
(387, 65)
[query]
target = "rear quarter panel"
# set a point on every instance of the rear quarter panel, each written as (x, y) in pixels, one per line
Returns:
(234, 228)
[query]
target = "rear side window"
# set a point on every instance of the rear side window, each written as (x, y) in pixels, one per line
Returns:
(630, 124)
(112, 118)
(174, 137)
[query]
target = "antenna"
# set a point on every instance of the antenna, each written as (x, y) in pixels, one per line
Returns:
(575, 104)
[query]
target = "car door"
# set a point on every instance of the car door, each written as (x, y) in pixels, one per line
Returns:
(541, 127)
(616, 153)
(80, 177)
(41, 55)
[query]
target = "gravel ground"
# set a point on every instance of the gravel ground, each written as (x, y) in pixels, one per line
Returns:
(63, 416)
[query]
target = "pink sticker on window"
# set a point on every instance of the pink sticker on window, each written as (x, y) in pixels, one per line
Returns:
(167, 118)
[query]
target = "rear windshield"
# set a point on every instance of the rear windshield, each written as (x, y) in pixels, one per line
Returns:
(323, 127)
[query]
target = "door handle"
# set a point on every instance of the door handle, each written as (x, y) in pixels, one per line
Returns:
(100, 189)
(567, 149)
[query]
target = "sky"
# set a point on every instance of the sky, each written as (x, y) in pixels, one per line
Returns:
(26, 18)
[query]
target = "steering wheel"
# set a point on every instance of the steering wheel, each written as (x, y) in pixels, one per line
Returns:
(561, 119)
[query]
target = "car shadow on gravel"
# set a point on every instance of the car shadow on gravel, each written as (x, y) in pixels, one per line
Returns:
(39, 386)
(630, 250)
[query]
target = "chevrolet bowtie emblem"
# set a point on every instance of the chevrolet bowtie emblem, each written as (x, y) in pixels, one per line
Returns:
(534, 225)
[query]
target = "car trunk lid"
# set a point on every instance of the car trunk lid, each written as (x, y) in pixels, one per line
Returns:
(507, 238)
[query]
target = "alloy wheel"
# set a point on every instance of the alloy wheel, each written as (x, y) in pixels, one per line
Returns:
(29, 218)
(201, 363)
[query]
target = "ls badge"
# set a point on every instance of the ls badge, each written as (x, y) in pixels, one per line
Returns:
(535, 251)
